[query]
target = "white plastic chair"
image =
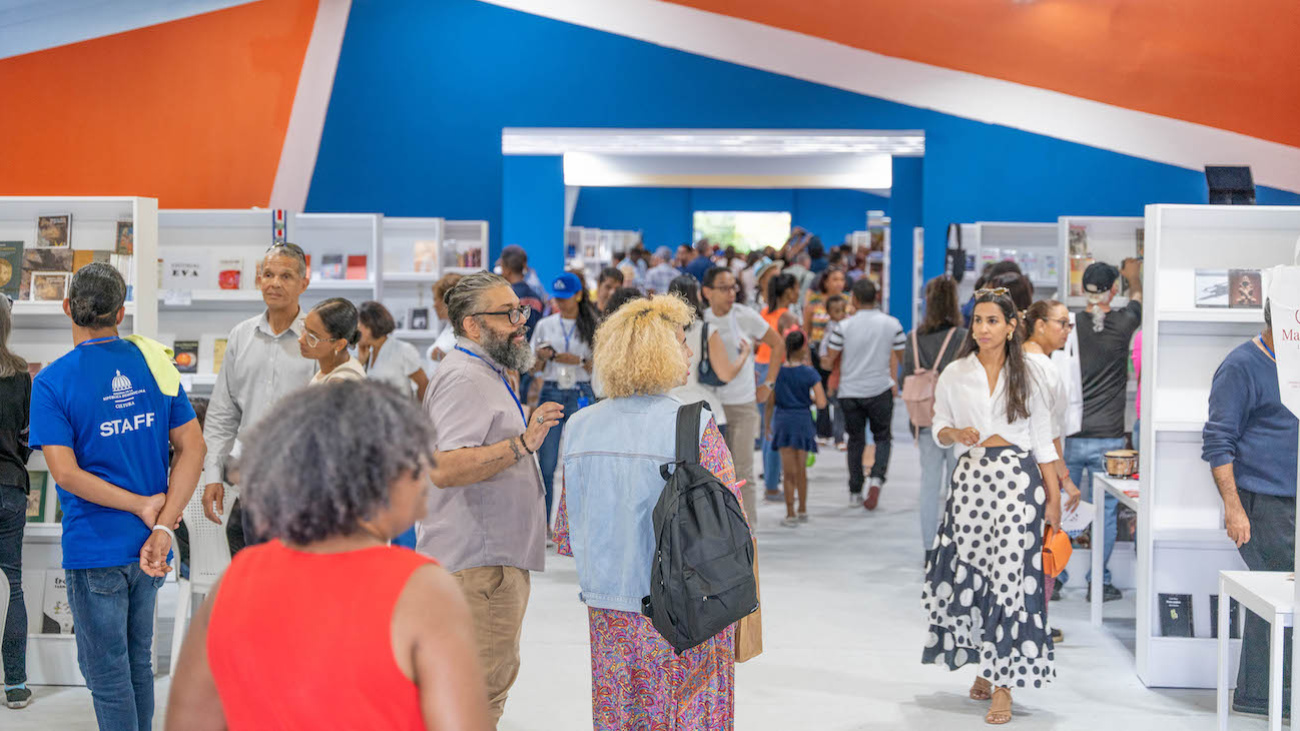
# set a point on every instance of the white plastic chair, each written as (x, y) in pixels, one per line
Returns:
(209, 557)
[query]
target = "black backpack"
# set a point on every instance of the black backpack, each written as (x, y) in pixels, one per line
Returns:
(702, 577)
(707, 376)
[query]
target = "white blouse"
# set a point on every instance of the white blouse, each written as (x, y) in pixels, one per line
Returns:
(962, 399)
(1054, 393)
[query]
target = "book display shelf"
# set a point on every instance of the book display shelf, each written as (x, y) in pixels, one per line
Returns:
(1182, 544)
(464, 247)
(412, 265)
(1034, 246)
(207, 275)
(589, 250)
(1082, 240)
(43, 240)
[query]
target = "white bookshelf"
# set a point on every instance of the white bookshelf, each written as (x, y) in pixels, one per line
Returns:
(1182, 545)
(1031, 243)
(464, 247)
(205, 313)
(590, 250)
(1111, 239)
(42, 334)
(405, 287)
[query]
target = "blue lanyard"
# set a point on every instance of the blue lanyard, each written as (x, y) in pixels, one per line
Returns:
(97, 341)
(1267, 349)
(568, 334)
(504, 382)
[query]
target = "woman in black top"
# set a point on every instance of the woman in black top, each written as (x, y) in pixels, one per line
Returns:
(942, 322)
(15, 401)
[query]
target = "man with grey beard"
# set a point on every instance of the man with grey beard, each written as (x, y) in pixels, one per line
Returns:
(486, 523)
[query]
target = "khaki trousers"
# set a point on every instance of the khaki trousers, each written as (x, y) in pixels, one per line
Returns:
(742, 428)
(497, 597)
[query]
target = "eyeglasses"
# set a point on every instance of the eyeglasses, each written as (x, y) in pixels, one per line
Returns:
(1065, 323)
(313, 340)
(516, 315)
(732, 288)
(999, 292)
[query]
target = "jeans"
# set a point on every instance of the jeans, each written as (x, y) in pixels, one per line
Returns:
(771, 457)
(937, 465)
(112, 610)
(1089, 454)
(1271, 548)
(859, 413)
(838, 427)
(13, 517)
(548, 456)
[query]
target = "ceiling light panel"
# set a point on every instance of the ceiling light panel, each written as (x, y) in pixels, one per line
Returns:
(755, 143)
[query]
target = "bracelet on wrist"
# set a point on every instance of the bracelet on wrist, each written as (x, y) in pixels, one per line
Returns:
(524, 444)
(170, 533)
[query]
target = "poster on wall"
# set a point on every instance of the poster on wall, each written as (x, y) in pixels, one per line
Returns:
(1283, 287)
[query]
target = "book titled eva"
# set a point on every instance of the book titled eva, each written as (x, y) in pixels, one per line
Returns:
(1176, 615)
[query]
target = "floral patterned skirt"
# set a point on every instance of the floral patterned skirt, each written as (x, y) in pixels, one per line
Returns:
(638, 683)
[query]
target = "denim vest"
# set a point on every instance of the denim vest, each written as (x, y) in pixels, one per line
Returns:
(612, 454)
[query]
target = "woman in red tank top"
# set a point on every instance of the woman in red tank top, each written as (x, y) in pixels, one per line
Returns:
(326, 625)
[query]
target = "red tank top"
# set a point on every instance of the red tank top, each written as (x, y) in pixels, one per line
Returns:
(304, 641)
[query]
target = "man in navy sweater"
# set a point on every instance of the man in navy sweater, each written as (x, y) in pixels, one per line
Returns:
(1250, 443)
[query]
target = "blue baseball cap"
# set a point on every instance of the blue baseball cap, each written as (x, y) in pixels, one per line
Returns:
(566, 286)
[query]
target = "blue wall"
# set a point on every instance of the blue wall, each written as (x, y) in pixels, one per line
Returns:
(423, 90)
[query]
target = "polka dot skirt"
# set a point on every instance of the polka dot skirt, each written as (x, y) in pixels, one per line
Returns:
(984, 593)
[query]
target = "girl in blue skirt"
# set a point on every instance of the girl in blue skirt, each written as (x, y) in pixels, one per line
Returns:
(789, 416)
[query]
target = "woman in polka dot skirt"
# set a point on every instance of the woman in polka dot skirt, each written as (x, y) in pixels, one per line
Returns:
(984, 592)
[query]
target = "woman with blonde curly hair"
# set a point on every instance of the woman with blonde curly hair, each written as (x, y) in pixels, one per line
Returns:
(612, 453)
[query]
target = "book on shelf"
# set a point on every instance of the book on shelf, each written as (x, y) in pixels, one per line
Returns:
(50, 286)
(1234, 619)
(42, 260)
(1176, 615)
(54, 232)
(331, 267)
(1211, 287)
(1050, 266)
(1078, 239)
(230, 273)
(989, 255)
(56, 613)
(125, 238)
(425, 257)
(1078, 265)
(84, 257)
(189, 271)
(1141, 235)
(212, 351)
(357, 268)
(11, 267)
(36, 497)
(186, 354)
(418, 317)
(218, 354)
(1245, 289)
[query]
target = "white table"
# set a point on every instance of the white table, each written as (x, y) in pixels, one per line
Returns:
(1102, 484)
(1271, 595)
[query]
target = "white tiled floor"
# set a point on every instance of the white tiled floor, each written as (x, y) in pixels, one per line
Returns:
(842, 631)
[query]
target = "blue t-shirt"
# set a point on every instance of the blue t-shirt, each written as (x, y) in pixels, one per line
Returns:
(101, 400)
(793, 387)
(699, 267)
(527, 296)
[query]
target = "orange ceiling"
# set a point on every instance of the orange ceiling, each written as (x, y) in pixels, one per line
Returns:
(193, 112)
(1229, 65)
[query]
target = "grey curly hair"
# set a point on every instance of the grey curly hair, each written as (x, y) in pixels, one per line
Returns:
(465, 298)
(326, 460)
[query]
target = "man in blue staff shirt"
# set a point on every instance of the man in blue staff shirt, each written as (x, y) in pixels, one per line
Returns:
(1250, 442)
(104, 422)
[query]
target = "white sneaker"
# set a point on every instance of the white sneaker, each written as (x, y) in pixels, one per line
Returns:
(790, 522)
(855, 500)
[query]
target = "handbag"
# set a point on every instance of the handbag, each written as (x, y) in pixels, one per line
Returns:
(707, 376)
(749, 630)
(1056, 551)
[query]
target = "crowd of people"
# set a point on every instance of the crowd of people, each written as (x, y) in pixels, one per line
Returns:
(544, 415)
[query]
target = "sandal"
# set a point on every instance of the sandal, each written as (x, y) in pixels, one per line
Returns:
(1000, 709)
(981, 690)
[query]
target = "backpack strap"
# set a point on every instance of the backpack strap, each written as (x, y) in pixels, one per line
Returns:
(688, 432)
(916, 353)
(943, 348)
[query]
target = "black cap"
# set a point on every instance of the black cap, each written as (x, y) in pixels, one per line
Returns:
(1099, 277)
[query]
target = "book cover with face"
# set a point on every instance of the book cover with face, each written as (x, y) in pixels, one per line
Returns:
(54, 232)
(11, 267)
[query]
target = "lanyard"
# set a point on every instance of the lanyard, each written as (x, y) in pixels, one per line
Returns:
(1267, 349)
(568, 334)
(97, 341)
(504, 382)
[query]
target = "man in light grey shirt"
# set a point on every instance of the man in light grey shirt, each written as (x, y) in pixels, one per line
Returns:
(262, 365)
(486, 522)
(868, 348)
